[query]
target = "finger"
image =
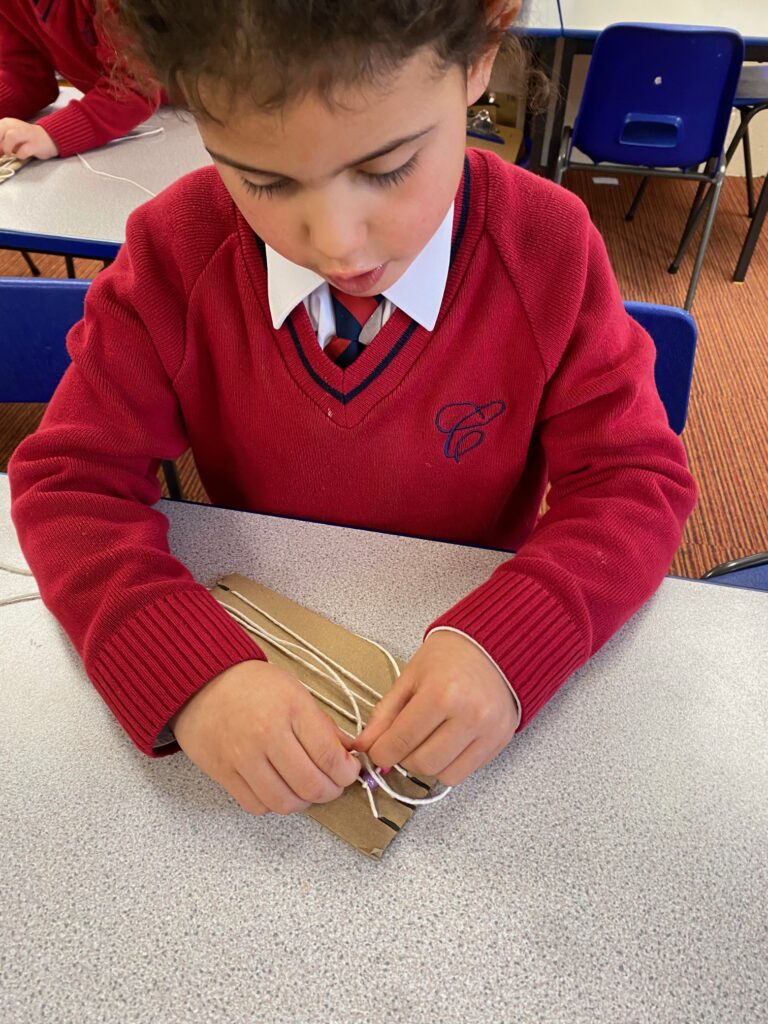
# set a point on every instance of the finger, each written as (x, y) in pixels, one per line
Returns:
(13, 139)
(346, 739)
(271, 788)
(332, 766)
(441, 749)
(415, 724)
(476, 755)
(385, 712)
(26, 149)
(242, 792)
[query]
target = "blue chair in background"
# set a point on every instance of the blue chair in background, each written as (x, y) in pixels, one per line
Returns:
(35, 317)
(750, 572)
(674, 334)
(657, 102)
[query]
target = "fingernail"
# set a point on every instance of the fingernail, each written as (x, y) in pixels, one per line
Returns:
(384, 771)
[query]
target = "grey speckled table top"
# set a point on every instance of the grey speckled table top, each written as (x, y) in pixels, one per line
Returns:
(64, 199)
(609, 867)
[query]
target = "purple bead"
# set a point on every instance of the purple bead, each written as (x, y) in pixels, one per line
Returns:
(368, 780)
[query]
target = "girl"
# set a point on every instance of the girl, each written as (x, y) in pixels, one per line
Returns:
(350, 320)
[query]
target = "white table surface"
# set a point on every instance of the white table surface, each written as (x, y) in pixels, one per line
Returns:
(609, 867)
(63, 199)
(749, 17)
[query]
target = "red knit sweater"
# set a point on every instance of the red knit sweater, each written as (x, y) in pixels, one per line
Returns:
(39, 37)
(533, 373)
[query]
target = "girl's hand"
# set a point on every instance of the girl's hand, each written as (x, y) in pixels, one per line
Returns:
(24, 140)
(259, 734)
(450, 712)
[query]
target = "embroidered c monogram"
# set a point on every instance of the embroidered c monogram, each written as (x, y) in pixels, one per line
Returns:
(462, 422)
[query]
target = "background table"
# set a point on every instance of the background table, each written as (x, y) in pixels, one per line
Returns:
(609, 867)
(59, 206)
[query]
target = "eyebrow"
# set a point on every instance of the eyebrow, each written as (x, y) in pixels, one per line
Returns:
(388, 148)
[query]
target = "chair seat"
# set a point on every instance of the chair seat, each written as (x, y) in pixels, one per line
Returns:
(753, 87)
(755, 578)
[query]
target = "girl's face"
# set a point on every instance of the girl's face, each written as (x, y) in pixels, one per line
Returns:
(355, 189)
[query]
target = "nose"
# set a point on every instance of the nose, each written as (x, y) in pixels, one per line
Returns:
(336, 226)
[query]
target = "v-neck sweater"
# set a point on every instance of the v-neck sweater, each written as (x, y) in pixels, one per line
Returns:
(533, 375)
(39, 38)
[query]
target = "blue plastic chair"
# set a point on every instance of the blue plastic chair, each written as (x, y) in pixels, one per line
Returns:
(656, 102)
(674, 334)
(35, 317)
(36, 314)
(750, 572)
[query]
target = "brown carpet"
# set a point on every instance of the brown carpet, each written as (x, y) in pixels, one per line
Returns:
(727, 431)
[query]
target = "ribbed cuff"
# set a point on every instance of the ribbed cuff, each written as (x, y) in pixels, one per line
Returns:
(526, 631)
(163, 655)
(71, 130)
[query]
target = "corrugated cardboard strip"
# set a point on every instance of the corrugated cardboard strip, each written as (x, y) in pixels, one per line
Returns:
(350, 815)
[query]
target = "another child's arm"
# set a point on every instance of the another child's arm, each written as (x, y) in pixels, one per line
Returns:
(27, 79)
(28, 84)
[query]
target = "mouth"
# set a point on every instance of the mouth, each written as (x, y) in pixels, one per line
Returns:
(357, 284)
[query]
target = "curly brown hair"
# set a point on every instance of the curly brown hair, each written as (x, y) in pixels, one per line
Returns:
(273, 51)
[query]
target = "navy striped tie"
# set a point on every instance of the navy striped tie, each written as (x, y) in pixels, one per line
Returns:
(352, 312)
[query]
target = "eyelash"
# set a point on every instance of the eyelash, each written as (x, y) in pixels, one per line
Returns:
(381, 180)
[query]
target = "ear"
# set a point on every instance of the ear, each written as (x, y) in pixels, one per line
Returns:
(499, 14)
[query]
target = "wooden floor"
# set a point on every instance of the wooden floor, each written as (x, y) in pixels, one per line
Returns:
(727, 431)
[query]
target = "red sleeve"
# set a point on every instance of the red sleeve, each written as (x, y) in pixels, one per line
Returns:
(620, 491)
(83, 488)
(107, 111)
(27, 77)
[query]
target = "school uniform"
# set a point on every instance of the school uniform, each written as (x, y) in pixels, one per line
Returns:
(531, 374)
(39, 38)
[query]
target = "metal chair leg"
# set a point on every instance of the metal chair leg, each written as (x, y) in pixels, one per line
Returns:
(630, 214)
(33, 267)
(698, 207)
(753, 234)
(561, 166)
(748, 169)
(716, 188)
(171, 480)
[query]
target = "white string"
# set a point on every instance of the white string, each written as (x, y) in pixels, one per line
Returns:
(321, 654)
(138, 134)
(115, 177)
(334, 676)
(19, 598)
(16, 571)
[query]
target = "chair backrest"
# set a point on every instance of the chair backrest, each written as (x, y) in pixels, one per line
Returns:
(674, 334)
(35, 316)
(658, 95)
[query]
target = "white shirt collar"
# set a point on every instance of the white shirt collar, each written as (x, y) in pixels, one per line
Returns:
(419, 292)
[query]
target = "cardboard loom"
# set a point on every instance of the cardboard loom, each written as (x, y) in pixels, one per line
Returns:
(9, 165)
(349, 816)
